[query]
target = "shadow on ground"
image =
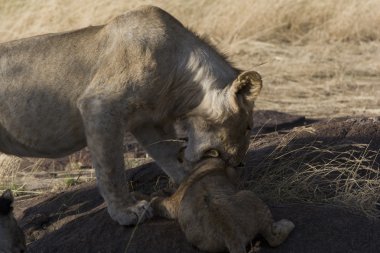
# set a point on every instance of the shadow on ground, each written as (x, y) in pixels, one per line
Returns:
(76, 220)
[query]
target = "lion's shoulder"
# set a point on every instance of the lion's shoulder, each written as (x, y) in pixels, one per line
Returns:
(145, 20)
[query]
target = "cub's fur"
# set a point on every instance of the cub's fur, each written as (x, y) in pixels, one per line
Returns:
(142, 72)
(12, 239)
(215, 215)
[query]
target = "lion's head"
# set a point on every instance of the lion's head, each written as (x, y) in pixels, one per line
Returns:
(221, 124)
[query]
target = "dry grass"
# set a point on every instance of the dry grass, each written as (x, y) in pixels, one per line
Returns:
(299, 21)
(33, 176)
(318, 58)
(342, 175)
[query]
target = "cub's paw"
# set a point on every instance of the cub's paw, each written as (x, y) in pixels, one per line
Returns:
(283, 227)
(279, 232)
(131, 215)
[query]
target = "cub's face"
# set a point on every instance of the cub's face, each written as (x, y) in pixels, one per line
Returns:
(229, 138)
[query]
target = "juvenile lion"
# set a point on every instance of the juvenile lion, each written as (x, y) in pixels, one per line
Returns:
(142, 72)
(215, 216)
(12, 239)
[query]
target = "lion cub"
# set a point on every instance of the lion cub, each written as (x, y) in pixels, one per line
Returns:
(215, 215)
(12, 239)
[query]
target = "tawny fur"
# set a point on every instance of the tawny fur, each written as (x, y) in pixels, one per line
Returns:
(12, 238)
(142, 72)
(215, 215)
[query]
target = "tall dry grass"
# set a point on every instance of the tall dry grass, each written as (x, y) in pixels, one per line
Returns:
(298, 21)
(317, 58)
(315, 172)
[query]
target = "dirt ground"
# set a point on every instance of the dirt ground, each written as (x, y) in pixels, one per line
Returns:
(76, 220)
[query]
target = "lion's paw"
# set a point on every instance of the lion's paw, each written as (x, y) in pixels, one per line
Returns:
(131, 215)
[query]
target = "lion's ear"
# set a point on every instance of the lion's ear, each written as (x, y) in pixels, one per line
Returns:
(245, 89)
(6, 200)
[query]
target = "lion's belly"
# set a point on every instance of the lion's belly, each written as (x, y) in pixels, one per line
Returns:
(38, 128)
(41, 143)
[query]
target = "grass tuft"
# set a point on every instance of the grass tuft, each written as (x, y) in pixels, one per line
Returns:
(344, 175)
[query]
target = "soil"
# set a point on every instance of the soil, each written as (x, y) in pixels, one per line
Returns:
(76, 220)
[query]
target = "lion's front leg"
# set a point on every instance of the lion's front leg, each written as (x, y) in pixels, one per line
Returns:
(163, 146)
(104, 135)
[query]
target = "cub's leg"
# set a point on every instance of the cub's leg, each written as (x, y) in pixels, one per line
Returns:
(104, 134)
(163, 146)
(276, 233)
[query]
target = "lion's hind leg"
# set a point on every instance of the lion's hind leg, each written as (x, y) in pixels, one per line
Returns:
(274, 233)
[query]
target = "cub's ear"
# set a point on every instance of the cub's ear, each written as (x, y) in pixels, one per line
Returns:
(6, 200)
(245, 89)
(7, 194)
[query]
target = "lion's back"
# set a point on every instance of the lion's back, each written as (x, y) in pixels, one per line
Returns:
(207, 213)
(201, 221)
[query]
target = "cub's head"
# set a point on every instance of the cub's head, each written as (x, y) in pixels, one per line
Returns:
(221, 124)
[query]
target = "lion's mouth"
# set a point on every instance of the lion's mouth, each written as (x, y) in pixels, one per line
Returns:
(181, 154)
(241, 165)
(234, 162)
(214, 153)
